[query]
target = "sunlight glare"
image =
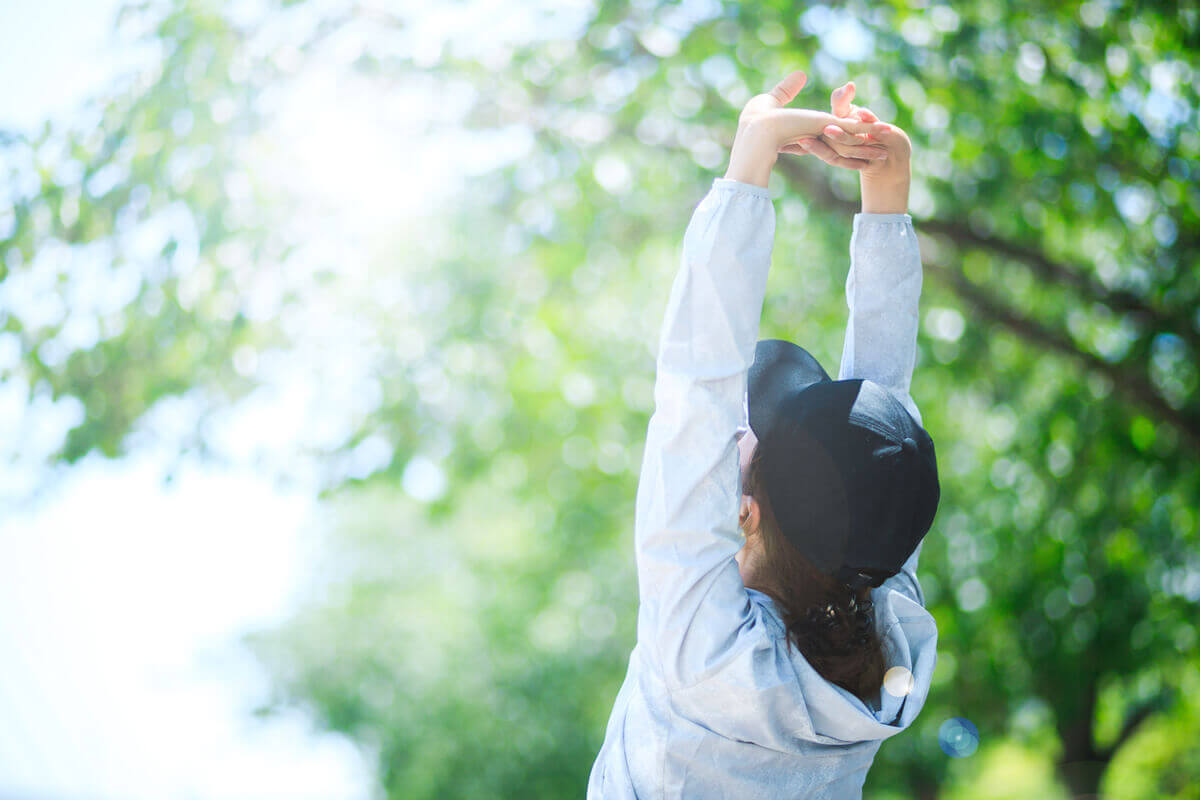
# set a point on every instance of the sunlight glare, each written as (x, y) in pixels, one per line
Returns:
(337, 152)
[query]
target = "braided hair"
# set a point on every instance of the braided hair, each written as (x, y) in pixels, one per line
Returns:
(841, 629)
(832, 624)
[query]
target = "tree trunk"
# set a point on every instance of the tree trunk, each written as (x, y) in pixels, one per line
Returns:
(1081, 765)
(1082, 778)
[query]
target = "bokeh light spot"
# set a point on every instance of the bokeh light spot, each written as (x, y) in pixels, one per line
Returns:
(898, 681)
(958, 737)
(423, 479)
(972, 595)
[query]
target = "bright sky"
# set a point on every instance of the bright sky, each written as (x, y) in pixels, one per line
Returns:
(52, 54)
(120, 603)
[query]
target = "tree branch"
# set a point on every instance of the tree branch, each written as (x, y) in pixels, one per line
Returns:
(1051, 271)
(1129, 382)
(1134, 721)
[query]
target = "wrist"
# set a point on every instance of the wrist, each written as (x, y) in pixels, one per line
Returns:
(752, 157)
(884, 197)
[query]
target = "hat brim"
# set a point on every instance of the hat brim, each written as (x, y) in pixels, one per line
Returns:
(780, 370)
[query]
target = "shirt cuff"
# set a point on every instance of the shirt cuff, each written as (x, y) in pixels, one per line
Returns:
(740, 186)
(873, 218)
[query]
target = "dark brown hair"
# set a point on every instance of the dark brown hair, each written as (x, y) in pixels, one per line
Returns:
(832, 625)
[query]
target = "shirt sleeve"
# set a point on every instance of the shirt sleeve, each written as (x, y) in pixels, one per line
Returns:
(883, 291)
(693, 605)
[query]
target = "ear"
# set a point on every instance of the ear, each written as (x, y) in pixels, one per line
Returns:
(748, 515)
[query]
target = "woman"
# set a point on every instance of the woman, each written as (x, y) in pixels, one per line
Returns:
(761, 661)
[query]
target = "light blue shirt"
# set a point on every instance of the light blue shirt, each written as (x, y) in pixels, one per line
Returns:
(714, 705)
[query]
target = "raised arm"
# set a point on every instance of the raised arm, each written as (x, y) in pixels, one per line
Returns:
(883, 290)
(692, 600)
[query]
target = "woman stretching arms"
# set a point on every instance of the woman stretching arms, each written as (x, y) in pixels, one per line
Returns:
(772, 661)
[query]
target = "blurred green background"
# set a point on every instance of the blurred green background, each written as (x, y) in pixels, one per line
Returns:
(462, 221)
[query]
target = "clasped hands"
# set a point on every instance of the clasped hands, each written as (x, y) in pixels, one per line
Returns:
(850, 137)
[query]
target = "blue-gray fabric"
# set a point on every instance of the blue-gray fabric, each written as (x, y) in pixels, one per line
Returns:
(714, 704)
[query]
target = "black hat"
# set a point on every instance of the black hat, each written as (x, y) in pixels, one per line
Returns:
(850, 476)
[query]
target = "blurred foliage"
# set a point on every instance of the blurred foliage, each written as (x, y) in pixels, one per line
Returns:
(474, 638)
(129, 236)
